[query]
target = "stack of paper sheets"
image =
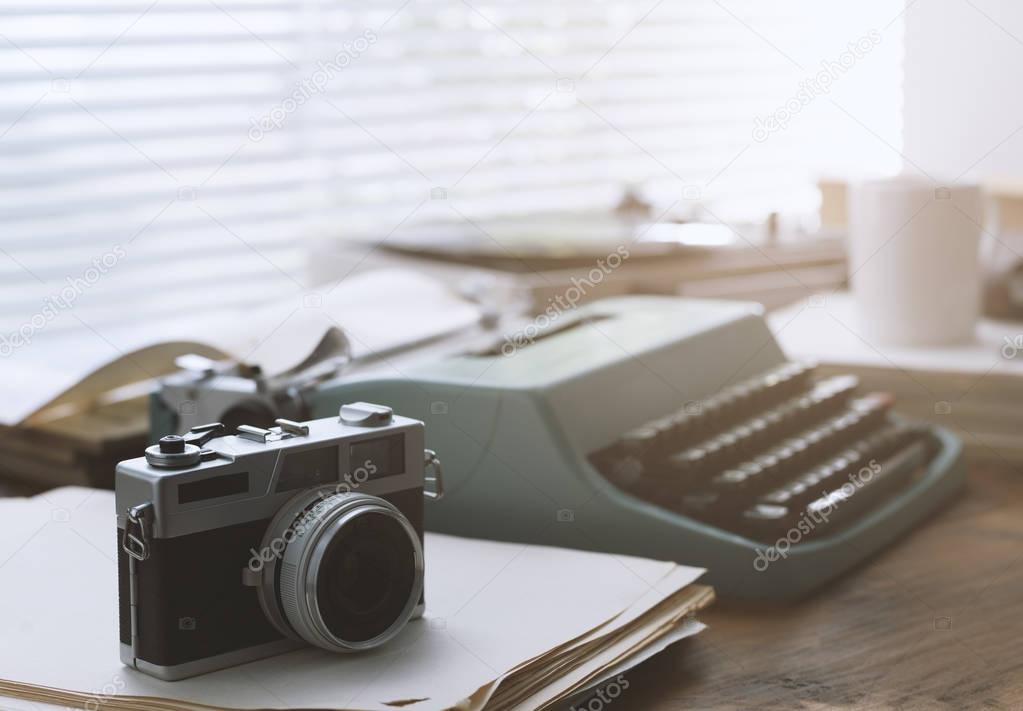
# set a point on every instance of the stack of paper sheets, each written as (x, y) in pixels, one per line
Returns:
(508, 626)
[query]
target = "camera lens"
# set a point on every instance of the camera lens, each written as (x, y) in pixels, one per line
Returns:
(343, 571)
(366, 577)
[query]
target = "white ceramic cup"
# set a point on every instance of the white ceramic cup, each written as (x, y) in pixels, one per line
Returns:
(914, 260)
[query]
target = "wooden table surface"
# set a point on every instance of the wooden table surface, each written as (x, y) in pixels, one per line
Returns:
(934, 622)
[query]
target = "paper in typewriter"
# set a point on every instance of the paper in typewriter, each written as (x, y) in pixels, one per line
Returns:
(379, 312)
(508, 626)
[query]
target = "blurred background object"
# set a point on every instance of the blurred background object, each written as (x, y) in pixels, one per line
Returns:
(913, 260)
(181, 160)
(209, 139)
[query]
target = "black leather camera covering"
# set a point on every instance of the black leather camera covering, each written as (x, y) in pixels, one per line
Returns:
(192, 603)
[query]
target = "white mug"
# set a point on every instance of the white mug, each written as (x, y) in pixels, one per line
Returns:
(914, 260)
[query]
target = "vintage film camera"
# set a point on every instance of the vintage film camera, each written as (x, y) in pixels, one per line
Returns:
(238, 547)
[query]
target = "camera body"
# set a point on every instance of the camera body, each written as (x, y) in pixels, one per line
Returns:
(237, 547)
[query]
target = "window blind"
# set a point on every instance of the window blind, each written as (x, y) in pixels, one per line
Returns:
(161, 156)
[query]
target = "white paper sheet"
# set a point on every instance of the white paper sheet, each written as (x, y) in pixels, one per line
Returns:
(827, 328)
(490, 606)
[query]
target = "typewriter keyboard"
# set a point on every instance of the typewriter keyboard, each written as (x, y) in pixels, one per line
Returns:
(762, 456)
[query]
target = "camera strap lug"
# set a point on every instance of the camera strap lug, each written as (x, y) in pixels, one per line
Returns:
(137, 528)
(432, 461)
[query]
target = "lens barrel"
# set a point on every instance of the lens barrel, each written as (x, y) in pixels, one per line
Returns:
(343, 571)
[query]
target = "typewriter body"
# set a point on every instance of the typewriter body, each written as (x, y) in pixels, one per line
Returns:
(670, 429)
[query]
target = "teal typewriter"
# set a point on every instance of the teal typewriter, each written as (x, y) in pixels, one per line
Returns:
(670, 429)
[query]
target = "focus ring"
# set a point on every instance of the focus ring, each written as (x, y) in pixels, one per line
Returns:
(307, 525)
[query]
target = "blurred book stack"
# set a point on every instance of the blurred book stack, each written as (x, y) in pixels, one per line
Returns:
(537, 261)
(80, 448)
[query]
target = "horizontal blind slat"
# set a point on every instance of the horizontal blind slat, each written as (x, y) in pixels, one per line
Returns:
(118, 116)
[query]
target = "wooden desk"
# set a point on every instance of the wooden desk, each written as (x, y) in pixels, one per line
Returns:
(936, 622)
